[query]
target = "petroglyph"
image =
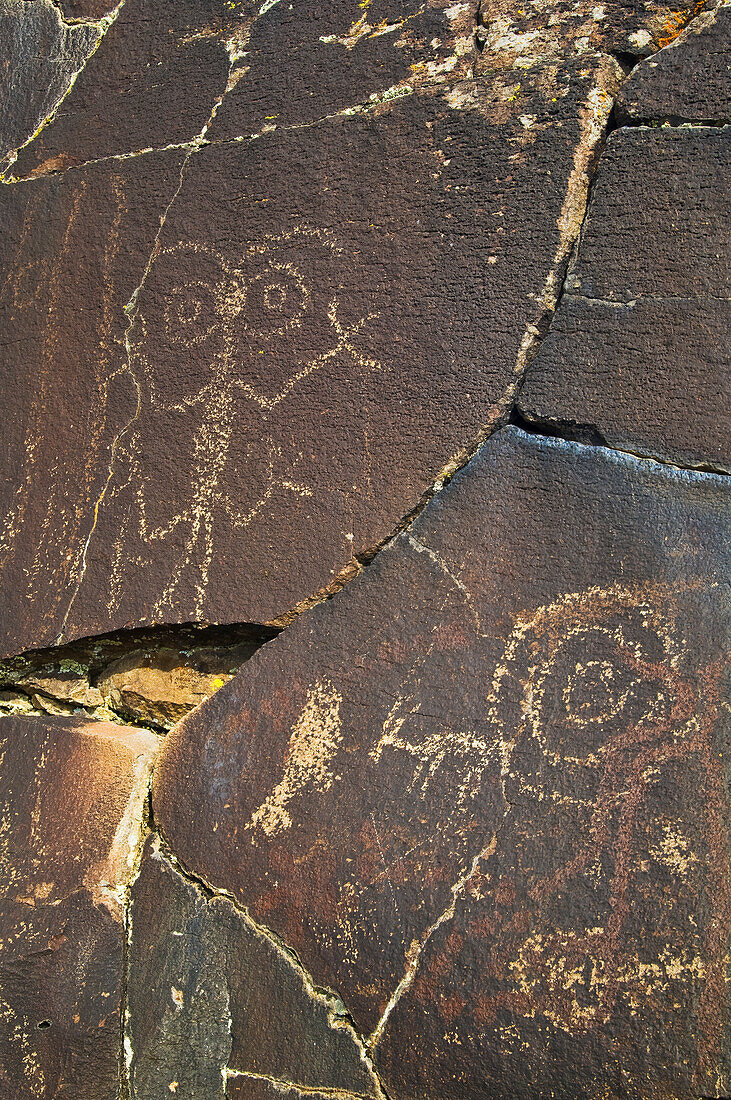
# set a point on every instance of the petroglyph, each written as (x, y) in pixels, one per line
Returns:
(315, 738)
(604, 715)
(212, 354)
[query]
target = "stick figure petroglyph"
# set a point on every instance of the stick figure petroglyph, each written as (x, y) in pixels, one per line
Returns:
(216, 346)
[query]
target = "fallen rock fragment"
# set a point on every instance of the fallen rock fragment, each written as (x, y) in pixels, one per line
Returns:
(480, 793)
(688, 81)
(638, 347)
(150, 677)
(72, 797)
(211, 1000)
(162, 685)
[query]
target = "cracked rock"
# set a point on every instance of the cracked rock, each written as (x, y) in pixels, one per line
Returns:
(152, 83)
(481, 791)
(72, 799)
(638, 347)
(317, 307)
(210, 995)
(39, 57)
(75, 246)
(688, 81)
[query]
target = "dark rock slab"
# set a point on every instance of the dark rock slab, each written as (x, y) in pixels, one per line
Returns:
(71, 807)
(39, 56)
(498, 750)
(688, 81)
(153, 82)
(301, 64)
(73, 249)
(638, 349)
(331, 316)
(210, 996)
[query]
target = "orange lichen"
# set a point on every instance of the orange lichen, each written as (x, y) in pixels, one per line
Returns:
(677, 21)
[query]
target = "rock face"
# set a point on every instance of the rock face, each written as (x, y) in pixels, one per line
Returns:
(301, 310)
(688, 81)
(466, 792)
(365, 472)
(71, 796)
(648, 292)
(40, 56)
(213, 1002)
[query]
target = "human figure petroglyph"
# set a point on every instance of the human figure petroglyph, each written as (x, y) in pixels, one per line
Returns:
(215, 347)
(590, 885)
(606, 717)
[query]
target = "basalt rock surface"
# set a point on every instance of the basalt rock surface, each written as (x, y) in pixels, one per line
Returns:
(71, 805)
(364, 550)
(482, 793)
(638, 348)
(688, 81)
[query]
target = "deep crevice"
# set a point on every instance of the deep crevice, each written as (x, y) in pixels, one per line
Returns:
(589, 435)
(568, 430)
(74, 678)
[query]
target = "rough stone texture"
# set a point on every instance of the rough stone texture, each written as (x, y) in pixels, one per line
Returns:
(248, 1088)
(71, 797)
(271, 273)
(492, 771)
(639, 348)
(317, 307)
(164, 65)
(153, 82)
(74, 246)
(152, 676)
(39, 57)
(208, 994)
(164, 685)
(688, 81)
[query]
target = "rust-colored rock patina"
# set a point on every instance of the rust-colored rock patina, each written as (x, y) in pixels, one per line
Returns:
(481, 794)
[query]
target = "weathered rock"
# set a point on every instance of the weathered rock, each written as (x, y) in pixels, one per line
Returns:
(86, 9)
(152, 676)
(71, 810)
(638, 347)
(162, 685)
(517, 38)
(245, 1087)
(40, 55)
(318, 305)
(153, 82)
(481, 792)
(209, 995)
(688, 81)
(75, 247)
(303, 64)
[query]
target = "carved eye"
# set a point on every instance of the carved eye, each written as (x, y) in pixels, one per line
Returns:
(594, 692)
(276, 301)
(191, 314)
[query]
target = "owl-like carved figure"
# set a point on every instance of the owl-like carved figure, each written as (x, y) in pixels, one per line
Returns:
(215, 346)
(605, 898)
